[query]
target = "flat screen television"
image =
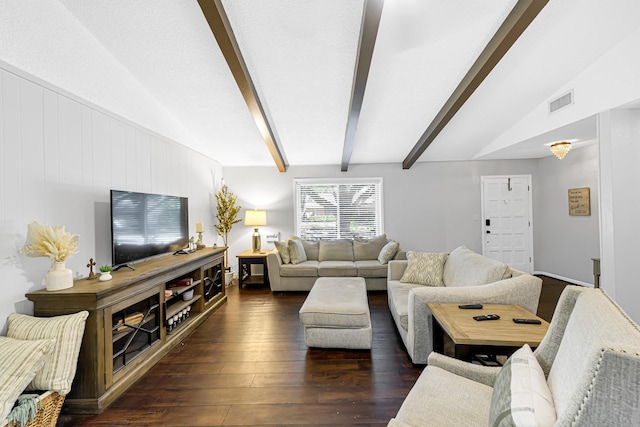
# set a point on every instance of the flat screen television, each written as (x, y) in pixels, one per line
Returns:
(144, 225)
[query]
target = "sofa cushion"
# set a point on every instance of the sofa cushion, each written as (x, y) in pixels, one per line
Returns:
(59, 370)
(424, 268)
(303, 269)
(336, 250)
(521, 396)
(467, 268)
(296, 251)
(367, 249)
(369, 268)
(311, 248)
(336, 303)
(283, 250)
(388, 251)
(21, 361)
(444, 399)
(337, 269)
(399, 296)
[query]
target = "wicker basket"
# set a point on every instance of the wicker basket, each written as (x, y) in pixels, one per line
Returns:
(47, 415)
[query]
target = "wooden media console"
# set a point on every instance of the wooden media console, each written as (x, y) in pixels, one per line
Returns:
(131, 323)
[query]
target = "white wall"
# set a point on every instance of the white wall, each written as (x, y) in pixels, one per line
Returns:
(430, 207)
(564, 244)
(59, 156)
(619, 133)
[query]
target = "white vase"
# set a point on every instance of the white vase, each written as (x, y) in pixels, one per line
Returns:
(59, 277)
(228, 278)
(105, 276)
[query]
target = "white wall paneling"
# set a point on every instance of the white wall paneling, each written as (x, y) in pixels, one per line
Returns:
(60, 156)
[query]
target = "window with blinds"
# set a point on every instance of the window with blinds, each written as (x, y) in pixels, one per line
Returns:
(338, 208)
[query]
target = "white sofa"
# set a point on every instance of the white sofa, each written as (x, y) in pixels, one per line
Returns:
(590, 358)
(468, 277)
(332, 258)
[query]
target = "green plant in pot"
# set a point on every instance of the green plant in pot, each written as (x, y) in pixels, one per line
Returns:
(105, 273)
(227, 215)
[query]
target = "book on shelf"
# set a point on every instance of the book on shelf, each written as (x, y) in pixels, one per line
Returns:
(181, 283)
(133, 320)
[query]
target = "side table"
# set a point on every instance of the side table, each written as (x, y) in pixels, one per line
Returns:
(245, 260)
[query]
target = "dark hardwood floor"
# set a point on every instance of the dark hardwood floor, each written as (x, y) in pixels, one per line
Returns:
(247, 365)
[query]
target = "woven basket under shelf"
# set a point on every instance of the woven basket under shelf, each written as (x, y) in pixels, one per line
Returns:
(49, 409)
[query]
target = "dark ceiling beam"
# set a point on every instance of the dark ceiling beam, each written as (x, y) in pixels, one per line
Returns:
(368, 33)
(522, 14)
(219, 23)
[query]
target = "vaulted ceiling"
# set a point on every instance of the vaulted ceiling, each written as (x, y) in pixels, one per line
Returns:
(344, 82)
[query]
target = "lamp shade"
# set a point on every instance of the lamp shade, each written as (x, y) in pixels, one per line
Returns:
(255, 218)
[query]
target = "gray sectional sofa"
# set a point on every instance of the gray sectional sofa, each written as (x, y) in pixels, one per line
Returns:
(331, 258)
(466, 277)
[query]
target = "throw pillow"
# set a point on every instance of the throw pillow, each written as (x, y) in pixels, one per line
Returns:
(21, 360)
(388, 252)
(296, 251)
(58, 371)
(424, 268)
(283, 250)
(521, 396)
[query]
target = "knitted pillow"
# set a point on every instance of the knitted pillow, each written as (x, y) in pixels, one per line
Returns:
(521, 396)
(388, 252)
(296, 251)
(424, 268)
(283, 250)
(59, 370)
(21, 360)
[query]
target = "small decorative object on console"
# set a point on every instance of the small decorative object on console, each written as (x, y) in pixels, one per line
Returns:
(90, 266)
(105, 273)
(199, 230)
(58, 245)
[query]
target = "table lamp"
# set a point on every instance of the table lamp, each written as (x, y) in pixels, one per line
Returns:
(255, 218)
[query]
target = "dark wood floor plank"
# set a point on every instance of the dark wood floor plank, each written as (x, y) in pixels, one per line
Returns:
(247, 365)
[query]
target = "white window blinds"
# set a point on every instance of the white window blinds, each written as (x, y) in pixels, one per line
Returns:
(338, 208)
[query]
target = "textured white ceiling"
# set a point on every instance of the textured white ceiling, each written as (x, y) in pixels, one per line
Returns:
(156, 62)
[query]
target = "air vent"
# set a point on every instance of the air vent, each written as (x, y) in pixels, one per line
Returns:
(561, 102)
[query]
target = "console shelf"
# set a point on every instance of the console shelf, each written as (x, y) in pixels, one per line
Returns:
(127, 327)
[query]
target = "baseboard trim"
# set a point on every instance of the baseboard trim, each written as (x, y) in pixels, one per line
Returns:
(565, 279)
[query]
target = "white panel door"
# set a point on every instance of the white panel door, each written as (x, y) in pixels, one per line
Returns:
(506, 220)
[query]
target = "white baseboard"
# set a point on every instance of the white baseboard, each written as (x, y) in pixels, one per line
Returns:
(565, 279)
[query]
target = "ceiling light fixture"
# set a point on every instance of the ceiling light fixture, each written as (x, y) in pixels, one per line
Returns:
(560, 149)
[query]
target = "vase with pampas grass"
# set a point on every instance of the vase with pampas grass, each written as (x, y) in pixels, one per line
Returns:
(56, 244)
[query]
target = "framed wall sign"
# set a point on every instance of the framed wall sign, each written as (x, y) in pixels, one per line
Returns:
(579, 201)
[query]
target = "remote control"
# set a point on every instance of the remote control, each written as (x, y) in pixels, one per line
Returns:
(471, 306)
(528, 321)
(487, 317)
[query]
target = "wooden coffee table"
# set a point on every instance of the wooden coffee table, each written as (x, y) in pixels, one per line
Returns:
(488, 337)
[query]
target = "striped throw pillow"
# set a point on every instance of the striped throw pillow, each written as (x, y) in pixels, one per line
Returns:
(521, 396)
(59, 370)
(20, 361)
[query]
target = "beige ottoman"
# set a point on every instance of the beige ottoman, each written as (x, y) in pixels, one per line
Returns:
(336, 314)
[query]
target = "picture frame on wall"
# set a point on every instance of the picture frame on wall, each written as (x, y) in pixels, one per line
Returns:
(579, 201)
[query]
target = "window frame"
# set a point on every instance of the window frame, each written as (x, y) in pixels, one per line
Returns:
(299, 183)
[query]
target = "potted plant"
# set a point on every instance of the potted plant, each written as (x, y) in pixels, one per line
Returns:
(105, 273)
(227, 213)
